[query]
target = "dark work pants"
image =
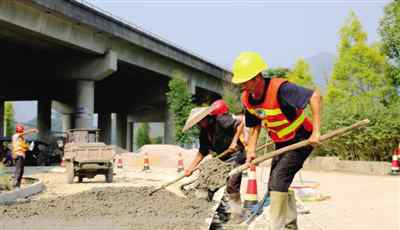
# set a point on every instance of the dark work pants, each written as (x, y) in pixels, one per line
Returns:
(19, 170)
(284, 167)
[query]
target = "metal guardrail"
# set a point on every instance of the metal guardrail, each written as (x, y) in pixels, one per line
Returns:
(151, 34)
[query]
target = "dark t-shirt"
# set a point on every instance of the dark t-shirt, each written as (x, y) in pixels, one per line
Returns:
(218, 136)
(290, 98)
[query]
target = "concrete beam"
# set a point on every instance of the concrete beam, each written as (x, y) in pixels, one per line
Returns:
(38, 21)
(125, 32)
(79, 28)
(95, 69)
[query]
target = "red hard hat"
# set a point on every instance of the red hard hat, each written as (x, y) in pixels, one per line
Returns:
(19, 128)
(220, 107)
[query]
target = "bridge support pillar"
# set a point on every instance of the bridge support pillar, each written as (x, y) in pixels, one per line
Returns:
(2, 118)
(66, 121)
(84, 104)
(44, 118)
(121, 129)
(104, 123)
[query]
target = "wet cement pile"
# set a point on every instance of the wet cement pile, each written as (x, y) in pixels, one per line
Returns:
(213, 174)
(128, 208)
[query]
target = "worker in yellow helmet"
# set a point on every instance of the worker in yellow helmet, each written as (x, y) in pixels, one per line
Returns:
(277, 105)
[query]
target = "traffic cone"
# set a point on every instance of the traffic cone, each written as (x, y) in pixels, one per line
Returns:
(250, 198)
(398, 152)
(395, 163)
(120, 164)
(146, 164)
(62, 163)
(180, 163)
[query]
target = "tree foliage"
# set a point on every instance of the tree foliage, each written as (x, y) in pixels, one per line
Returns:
(360, 68)
(143, 137)
(301, 75)
(376, 142)
(360, 89)
(180, 104)
(232, 98)
(277, 72)
(9, 118)
(390, 33)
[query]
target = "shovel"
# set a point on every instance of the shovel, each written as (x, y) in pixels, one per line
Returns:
(180, 177)
(323, 138)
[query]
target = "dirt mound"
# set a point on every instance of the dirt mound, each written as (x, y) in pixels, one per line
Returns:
(130, 208)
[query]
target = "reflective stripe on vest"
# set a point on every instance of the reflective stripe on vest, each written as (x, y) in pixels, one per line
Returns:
(291, 128)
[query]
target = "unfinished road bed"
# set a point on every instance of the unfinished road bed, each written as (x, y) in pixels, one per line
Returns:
(119, 208)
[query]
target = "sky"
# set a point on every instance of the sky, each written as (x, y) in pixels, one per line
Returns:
(218, 30)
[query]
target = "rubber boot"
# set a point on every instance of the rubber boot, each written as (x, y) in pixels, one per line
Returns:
(238, 214)
(278, 210)
(291, 221)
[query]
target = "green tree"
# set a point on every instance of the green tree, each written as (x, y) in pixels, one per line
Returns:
(232, 98)
(301, 75)
(157, 140)
(9, 118)
(277, 72)
(180, 104)
(390, 32)
(360, 68)
(359, 89)
(143, 137)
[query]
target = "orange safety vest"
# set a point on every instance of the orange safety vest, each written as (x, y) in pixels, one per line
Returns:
(280, 129)
(19, 146)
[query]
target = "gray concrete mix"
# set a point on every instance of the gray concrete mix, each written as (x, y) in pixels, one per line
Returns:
(213, 174)
(119, 208)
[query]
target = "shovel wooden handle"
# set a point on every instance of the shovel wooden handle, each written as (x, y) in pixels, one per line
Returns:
(330, 135)
(180, 177)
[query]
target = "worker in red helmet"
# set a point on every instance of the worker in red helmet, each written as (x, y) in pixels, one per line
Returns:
(19, 147)
(220, 131)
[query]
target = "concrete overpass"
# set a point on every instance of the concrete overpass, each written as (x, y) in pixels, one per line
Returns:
(78, 60)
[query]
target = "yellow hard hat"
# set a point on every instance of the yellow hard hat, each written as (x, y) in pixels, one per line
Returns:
(247, 65)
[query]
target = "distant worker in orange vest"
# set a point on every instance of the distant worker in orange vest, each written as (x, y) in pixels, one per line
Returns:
(19, 147)
(277, 105)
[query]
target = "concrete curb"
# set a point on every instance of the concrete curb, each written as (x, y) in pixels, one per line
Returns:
(377, 168)
(23, 192)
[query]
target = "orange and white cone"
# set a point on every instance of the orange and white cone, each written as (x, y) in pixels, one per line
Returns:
(120, 164)
(146, 163)
(180, 163)
(395, 162)
(62, 163)
(250, 198)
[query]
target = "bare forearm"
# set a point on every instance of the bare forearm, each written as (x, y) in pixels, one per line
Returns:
(239, 130)
(252, 143)
(316, 107)
(29, 131)
(197, 159)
